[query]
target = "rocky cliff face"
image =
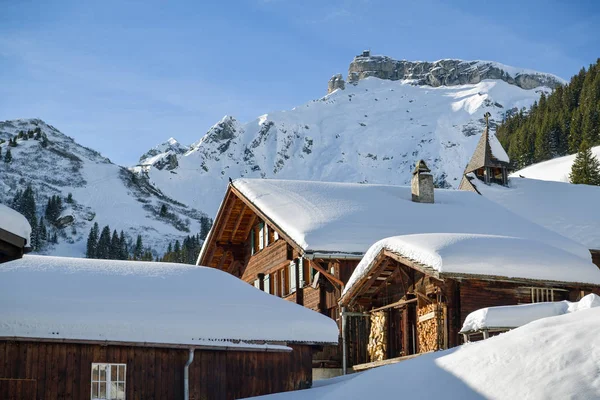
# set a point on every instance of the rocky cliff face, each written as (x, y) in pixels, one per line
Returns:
(336, 82)
(446, 72)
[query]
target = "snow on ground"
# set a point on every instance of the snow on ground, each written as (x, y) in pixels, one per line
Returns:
(14, 222)
(552, 358)
(557, 169)
(350, 217)
(452, 253)
(132, 301)
(519, 315)
(570, 210)
(371, 132)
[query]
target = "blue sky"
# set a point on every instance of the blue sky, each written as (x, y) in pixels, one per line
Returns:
(123, 76)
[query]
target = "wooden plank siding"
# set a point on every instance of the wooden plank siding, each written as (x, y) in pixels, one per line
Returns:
(273, 257)
(38, 370)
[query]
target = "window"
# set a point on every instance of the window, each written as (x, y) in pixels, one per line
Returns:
(292, 276)
(275, 235)
(108, 381)
(539, 295)
(267, 284)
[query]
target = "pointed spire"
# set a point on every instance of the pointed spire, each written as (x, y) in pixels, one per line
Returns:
(483, 155)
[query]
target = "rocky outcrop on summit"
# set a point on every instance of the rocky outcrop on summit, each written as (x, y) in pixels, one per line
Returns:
(446, 72)
(336, 82)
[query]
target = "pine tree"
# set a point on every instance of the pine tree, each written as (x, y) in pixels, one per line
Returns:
(163, 210)
(103, 250)
(43, 230)
(586, 167)
(115, 250)
(8, 156)
(92, 242)
(123, 251)
(138, 250)
(70, 198)
(205, 225)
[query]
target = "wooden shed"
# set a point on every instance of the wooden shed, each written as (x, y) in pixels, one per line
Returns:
(14, 234)
(415, 291)
(100, 329)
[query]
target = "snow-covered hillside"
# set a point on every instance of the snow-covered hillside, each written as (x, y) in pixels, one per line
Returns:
(552, 358)
(372, 131)
(557, 169)
(102, 191)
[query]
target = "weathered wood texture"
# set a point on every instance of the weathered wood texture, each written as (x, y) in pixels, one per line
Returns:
(37, 370)
(267, 260)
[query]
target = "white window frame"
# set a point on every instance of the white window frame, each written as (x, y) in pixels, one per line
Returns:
(257, 283)
(108, 381)
(301, 272)
(266, 235)
(275, 235)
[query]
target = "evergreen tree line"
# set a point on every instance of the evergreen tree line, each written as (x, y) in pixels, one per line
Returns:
(103, 245)
(186, 252)
(41, 234)
(557, 124)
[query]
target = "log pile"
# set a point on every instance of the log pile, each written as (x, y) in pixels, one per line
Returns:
(377, 347)
(427, 328)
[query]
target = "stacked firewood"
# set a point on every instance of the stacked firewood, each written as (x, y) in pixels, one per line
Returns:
(378, 337)
(428, 329)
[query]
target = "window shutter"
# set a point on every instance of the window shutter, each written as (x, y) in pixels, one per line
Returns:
(267, 283)
(275, 235)
(266, 235)
(300, 273)
(257, 283)
(261, 236)
(252, 241)
(292, 275)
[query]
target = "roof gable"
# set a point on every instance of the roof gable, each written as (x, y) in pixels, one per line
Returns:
(488, 153)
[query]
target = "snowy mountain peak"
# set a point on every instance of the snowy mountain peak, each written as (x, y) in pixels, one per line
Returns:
(447, 72)
(163, 155)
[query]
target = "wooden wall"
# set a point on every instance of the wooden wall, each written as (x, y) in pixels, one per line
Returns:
(272, 257)
(34, 370)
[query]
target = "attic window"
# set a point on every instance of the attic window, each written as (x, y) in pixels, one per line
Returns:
(108, 381)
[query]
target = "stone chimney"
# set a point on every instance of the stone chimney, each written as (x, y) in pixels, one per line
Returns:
(422, 184)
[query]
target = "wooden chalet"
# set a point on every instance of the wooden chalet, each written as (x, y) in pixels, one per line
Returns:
(102, 329)
(14, 234)
(302, 240)
(414, 292)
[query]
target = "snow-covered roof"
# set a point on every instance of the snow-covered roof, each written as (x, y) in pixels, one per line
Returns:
(489, 153)
(468, 254)
(131, 301)
(349, 217)
(14, 222)
(570, 210)
(519, 315)
(552, 358)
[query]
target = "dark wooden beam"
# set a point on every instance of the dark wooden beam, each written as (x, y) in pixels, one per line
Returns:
(250, 226)
(326, 274)
(238, 222)
(222, 260)
(223, 222)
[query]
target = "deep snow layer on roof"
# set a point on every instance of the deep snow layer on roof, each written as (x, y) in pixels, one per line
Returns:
(14, 222)
(552, 358)
(453, 253)
(570, 210)
(350, 217)
(132, 301)
(519, 315)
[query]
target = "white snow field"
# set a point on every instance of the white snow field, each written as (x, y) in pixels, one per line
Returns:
(14, 222)
(570, 210)
(509, 317)
(551, 358)
(557, 169)
(134, 301)
(371, 132)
